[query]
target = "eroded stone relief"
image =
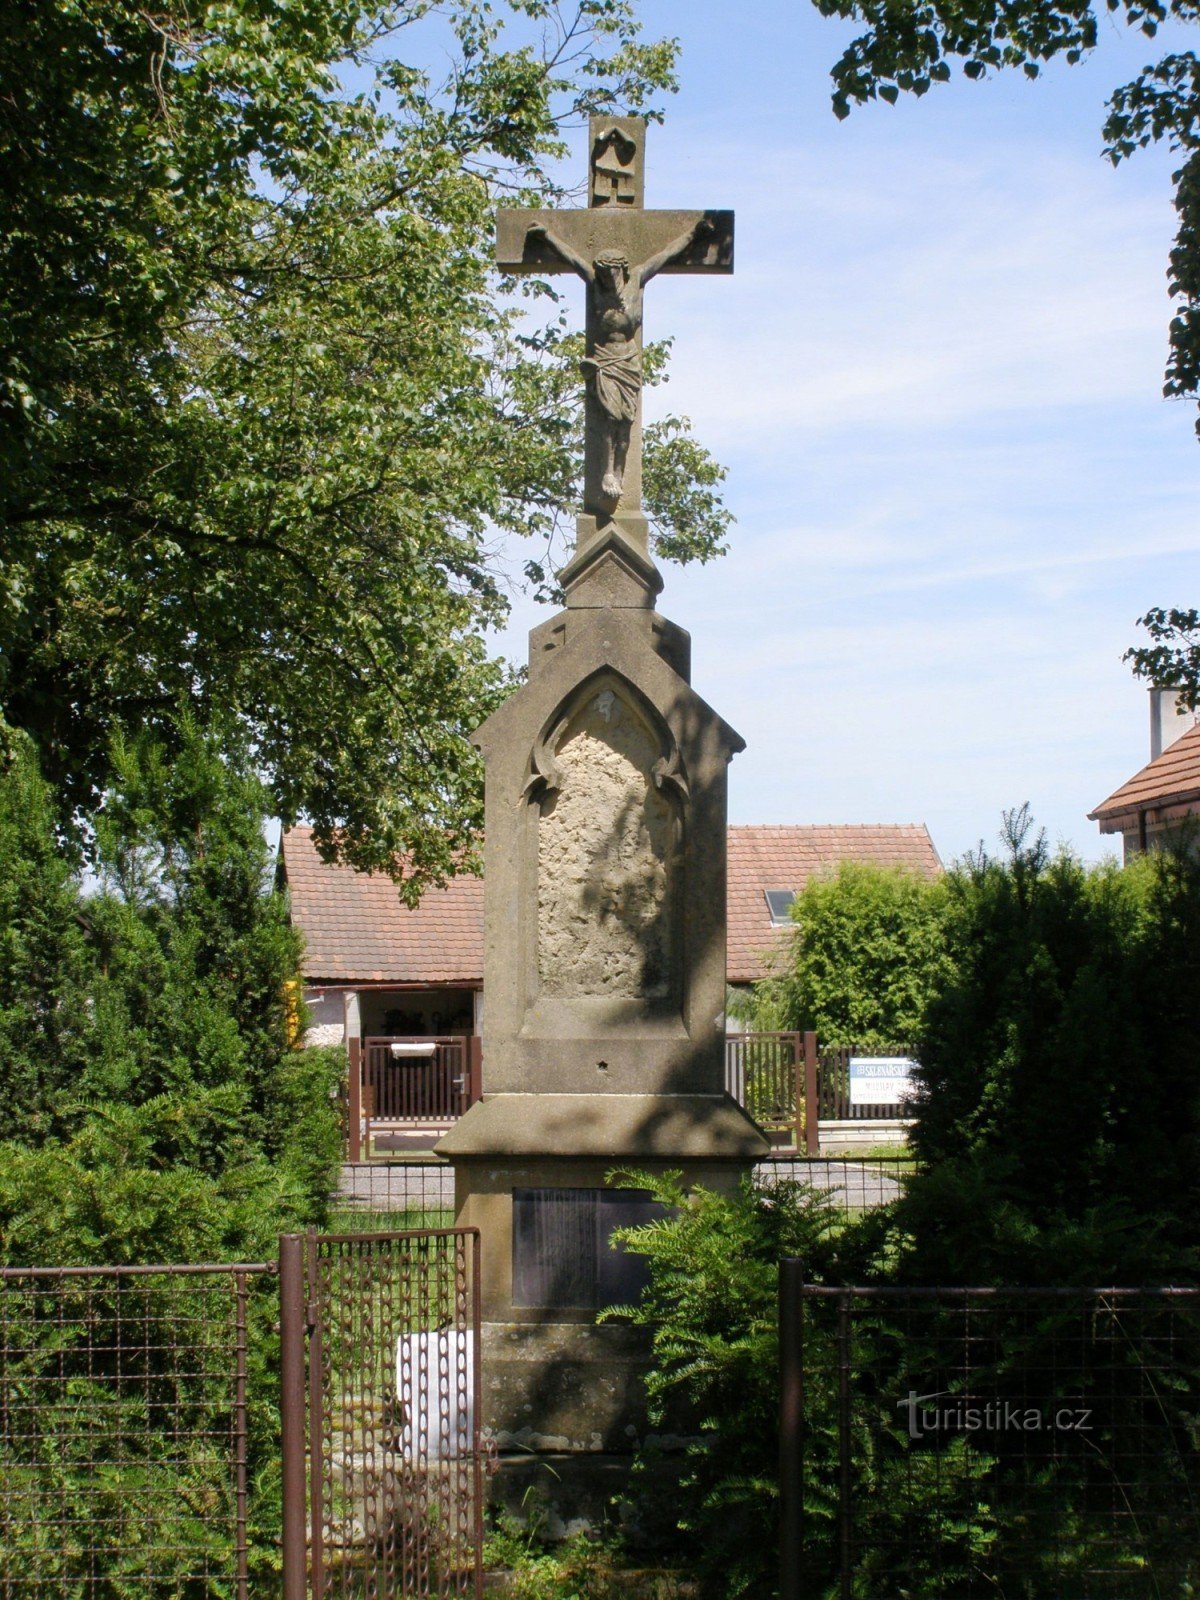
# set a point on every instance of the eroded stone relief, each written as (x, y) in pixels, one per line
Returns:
(606, 859)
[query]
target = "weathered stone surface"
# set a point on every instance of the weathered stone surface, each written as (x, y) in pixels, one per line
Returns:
(611, 566)
(607, 858)
(604, 909)
(609, 1127)
(484, 1178)
(564, 1385)
(673, 1043)
(616, 247)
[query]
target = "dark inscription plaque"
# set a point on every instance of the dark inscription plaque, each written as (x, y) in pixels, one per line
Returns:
(563, 1256)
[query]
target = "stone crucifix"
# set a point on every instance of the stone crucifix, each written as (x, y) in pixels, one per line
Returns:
(616, 247)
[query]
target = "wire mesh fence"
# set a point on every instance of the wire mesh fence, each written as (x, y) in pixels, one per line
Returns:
(128, 1437)
(394, 1414)
(964, 1442)
(851, 1184)
(375, 1196)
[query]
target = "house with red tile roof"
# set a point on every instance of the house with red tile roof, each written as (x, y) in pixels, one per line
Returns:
(1155, 805)
(376, 967)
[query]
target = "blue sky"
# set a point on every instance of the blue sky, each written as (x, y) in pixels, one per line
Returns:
(936, 379)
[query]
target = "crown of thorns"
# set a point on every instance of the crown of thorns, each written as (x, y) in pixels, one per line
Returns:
(612, 258)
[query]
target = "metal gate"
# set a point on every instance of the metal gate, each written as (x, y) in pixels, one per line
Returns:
(382, 1460)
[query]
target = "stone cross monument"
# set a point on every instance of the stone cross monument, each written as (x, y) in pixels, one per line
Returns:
(604, 897)
(616, 247)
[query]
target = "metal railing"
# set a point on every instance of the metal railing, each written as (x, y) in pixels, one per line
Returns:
(765, 1073)
(834, 1103)
(150, 1449)
(126, 1449)
(782, 1078)
(413, 1079)
(410, 1081)
(962, 1442)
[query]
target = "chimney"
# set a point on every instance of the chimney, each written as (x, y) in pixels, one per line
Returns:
(1170, 719)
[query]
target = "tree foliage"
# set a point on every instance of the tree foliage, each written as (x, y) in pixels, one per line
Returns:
(265, 415)
(151, 1107)
(711, 1311)
(1172, 660)
(1059, 1105)
(865, 956)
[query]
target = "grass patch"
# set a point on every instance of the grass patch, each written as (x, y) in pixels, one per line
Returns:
(584, 1567)
(365, 1219)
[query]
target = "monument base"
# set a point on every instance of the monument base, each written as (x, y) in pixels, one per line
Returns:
(514, 1146)
(564, 1400)
(564, 1388)
(561, 1495)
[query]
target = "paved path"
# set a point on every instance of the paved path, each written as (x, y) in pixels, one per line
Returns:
(856, 1185)
(397, 1186)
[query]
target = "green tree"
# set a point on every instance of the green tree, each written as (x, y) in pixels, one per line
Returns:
(45, 1026)
(711, 1314)
(264, 412)
(152, 1108)
(1172, 660)
(1058, 1117)
(866, 954)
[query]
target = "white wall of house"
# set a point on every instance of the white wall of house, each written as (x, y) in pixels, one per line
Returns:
(326, 1017)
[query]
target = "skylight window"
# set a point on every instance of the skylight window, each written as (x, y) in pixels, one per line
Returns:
(779, 904)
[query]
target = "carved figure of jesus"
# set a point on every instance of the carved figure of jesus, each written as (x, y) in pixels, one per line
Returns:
(614, 368)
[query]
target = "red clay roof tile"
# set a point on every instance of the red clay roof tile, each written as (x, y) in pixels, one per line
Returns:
(786, 857)
(1172, 779)
(357, 930)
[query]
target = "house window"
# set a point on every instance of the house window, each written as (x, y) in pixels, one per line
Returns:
(779, 904)
(563, 1257)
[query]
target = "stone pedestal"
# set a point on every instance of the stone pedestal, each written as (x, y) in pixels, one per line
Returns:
(604, 979)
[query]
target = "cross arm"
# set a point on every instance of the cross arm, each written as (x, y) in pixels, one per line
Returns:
(642, 235)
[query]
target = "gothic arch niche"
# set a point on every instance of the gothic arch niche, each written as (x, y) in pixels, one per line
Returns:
(609, 785)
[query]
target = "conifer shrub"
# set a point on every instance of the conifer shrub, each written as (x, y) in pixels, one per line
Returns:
(152, 1110)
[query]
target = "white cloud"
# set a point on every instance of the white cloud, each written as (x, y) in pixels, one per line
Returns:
(918, 289)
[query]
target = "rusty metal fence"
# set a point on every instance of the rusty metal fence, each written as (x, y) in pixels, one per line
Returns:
(410, 1082)
(765, 1073)
(164, 1430)
(952, 1443)
(790, 1084)
(127, 1444)
(382, 1458)
(834, 1102)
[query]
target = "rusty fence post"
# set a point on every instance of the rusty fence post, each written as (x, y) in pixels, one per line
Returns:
(791, 1426)
(354, 1098)
(291, 1409)
(241, 1430)
(812, 1111)
(475, 1337)
(317, 1415)
(845, 1546)
(798, 1100)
